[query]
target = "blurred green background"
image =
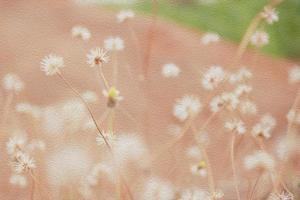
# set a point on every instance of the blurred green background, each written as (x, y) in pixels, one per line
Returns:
(230, 18)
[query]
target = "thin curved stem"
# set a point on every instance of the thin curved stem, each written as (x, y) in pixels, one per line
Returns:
(101, 74)
(88, 108)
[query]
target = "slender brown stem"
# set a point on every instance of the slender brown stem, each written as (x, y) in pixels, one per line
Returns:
(233, 166)
(254, 187)
(101, 74)
(93, 118)
(88, 108)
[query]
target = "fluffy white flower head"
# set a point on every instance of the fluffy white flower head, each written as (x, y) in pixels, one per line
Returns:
(188, 106)
(260, 38)
(81, 32)
(123, 15)
(114, 44)
(209, 38)
(213, 77)
(170, 70)
(12, 82)
(51, 64)
(157, 189)
(235, 125)
(259, 159)
(270, 15)
(264, 127)
(96, 57)
(294, 75)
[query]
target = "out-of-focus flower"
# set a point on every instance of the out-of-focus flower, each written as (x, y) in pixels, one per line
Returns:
(18, 180)
(157, 189)
(81, 32)
(259, 159)
(90, 96)
(51, 64)
(264, 127)
(260, 38)
(194, 194)
(188, 106)
(225, 100)
(213, 77)
(248, 107)
(270, 15)
(241, 75)
(236, 125)
(170, 70)
(113, 96)
(209, 38)
(294, 75)
(123, 15)
(199, 169)
(114, 44)
(12, 82)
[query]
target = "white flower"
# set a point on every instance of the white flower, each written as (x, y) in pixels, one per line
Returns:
(260, 38)
(96, 57)
(209, 38)
(130, 148)
(283, 196)
(248, 107)
(157, 189)
(99, 171)
(194, 152)
(110, 138)
(294, 75)
(194, 194)
(114, 44)
(68, 165)
(188, 106)
(18, 180)
(124, 15)
(51, 64)
(23, 163)
(81, 32)
(293, 117)
(36, 145)
(199, 169)
(241, 75)
(270, 15)
(226, 100)
(90, 96)
(16, 144)
(236, 125)
(29, 109)
(242, 89)
(213, 77)
(264, 127)
(113, 96)
(12, 82)
(218, 194)
(286, 145)
(259, 159)
(170, 70)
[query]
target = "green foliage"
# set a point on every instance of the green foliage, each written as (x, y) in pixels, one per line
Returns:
(230, 18)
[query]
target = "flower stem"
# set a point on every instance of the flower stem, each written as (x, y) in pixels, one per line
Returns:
(88, 108)
(233, 166)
